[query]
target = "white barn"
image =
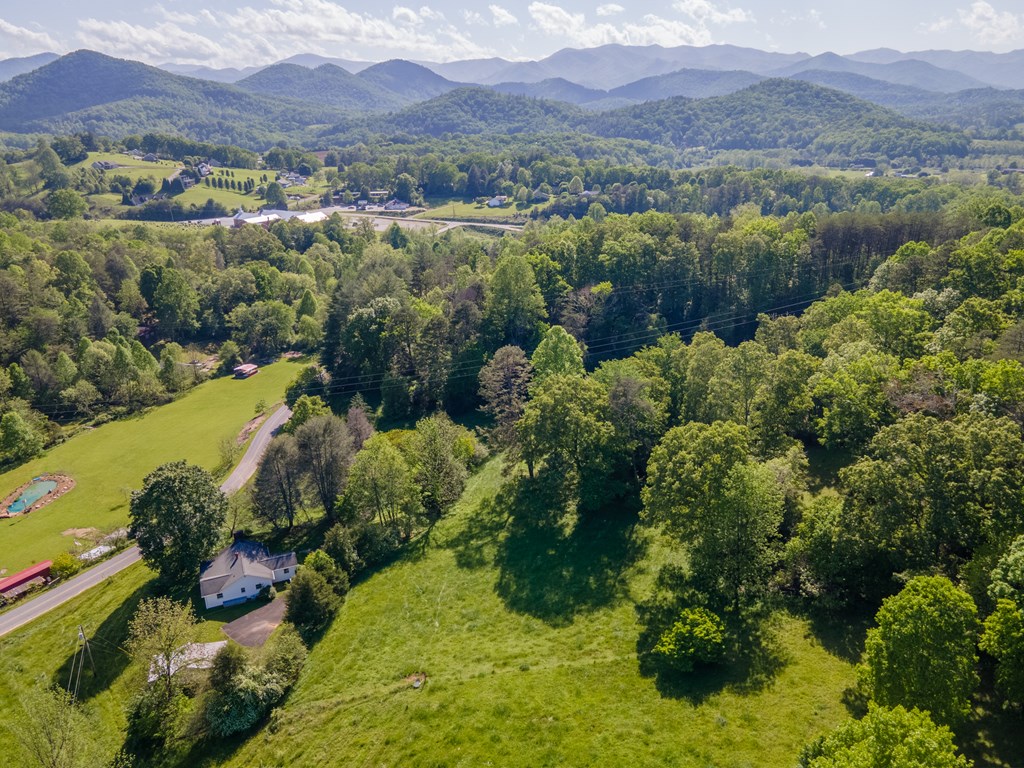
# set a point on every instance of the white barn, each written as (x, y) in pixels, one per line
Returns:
(239, 572)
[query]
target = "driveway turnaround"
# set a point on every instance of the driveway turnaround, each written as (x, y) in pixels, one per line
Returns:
(254, 628)
(37, 606)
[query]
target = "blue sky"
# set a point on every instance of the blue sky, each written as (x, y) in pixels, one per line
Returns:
(246, 32)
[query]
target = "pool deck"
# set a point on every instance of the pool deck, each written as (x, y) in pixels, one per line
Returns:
(64, 484)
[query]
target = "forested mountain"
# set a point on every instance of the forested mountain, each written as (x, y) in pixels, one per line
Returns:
(897, 97)
(781, 113)
(217, 75)
(611, 66)
(87, 91)
(18, 66)
(328, 85)
(918, 74)
(555, 88)
(410, 82)
(1004, 70)
(692, 83)
(470, 111)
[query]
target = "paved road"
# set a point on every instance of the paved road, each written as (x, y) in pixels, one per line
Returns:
(35, 607)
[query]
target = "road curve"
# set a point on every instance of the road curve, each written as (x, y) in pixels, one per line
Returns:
(35, 607)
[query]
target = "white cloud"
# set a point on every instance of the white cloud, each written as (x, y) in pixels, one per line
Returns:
(18, 41)
(986, 24)
(177, 17)
(991, 26)
(650, 29)
(705, 11)
(472, 17)
(501, 16)
(609, 9)
(405, 15)
(252, 35)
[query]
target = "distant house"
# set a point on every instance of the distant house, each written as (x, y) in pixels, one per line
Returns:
(240, 571)
(105, 165)
(379, 194)
(14, 586)
(309, 217)
(497, 201)
(395, 205)
(204, 170)
(151, 158)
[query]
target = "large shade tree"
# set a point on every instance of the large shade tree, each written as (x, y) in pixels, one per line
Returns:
(177, 518)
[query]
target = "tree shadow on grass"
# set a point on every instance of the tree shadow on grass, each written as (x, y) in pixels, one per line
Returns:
(553, 568)
(551, 564)
(754, 656)
(105, 660)
(994, 736)
(841, 633)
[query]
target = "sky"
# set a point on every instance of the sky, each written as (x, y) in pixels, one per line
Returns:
(223, 33)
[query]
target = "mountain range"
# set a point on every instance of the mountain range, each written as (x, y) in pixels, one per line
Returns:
(311, 97)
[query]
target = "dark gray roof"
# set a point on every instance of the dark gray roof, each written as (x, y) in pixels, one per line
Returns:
(287, 560)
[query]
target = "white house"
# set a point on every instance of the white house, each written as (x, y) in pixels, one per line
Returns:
(497, 201)
(239, 572)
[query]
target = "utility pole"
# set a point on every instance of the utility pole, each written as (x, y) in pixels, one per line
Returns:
(78, 661)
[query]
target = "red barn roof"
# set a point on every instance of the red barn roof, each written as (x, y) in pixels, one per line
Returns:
(40, 569)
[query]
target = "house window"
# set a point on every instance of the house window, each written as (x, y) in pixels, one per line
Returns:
(220, 595)
(286, 570)
(259, 586)
(243, 590)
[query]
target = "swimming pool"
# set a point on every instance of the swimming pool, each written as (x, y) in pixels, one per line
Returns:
(31, 495)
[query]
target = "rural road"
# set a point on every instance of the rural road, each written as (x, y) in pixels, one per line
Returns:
(37, 606)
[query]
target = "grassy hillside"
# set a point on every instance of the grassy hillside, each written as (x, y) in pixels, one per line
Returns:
(528, 644)
(111, 460)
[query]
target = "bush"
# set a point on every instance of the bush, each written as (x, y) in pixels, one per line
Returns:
(340, 544)
(697, 637)
(65, 565)
(284, 655)
(311, 603)
(249, 698)
(376, 544)
(324, 564)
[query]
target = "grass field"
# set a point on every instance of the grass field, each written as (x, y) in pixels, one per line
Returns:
(111, 460)
(527, 638)
(460, 209)
(529, 653)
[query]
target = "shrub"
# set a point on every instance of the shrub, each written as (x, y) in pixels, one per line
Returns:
(65, 565)
(284, 655)
(340, 544)
(251, 695)
(697, 637)
(376, 544)
(311, 603)
(324, 564)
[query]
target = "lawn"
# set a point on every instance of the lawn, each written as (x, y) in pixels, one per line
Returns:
(108, 462)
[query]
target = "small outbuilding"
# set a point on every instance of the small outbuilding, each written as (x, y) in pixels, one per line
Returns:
(14, 586)
(246, 370)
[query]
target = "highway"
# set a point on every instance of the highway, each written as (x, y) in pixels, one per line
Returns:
(35, 607)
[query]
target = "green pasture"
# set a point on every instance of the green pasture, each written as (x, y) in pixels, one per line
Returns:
(460, 209)
(108, 462)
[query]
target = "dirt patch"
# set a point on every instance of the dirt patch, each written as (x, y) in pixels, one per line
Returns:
(92, 534)
(64, 484)
(249, 428)
(415, 680)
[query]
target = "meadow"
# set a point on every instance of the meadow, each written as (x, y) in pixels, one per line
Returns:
(108, 462)
(457, 208)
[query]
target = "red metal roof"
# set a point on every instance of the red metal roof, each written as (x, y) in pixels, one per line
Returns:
(40, 569)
